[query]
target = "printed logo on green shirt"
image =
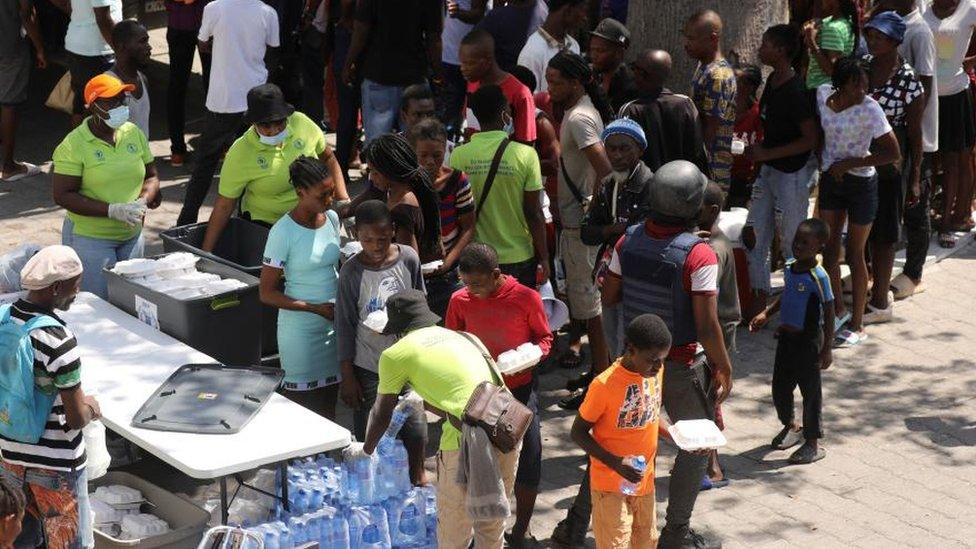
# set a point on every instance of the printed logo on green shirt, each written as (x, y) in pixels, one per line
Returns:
(99, 155)
(131, 147)
(299, 143)
(263, 162)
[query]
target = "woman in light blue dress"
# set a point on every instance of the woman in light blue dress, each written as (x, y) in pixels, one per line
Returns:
(303, 247)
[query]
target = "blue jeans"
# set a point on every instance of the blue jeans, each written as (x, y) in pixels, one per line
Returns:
(381, 104)
(96, 254)
(50, 494)
(778, 198)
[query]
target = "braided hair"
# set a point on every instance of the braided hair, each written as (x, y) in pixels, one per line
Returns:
(12, 500)
(392, 156)
(307, 171)
(574, 67)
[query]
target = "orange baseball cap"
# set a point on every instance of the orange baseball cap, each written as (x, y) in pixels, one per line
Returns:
(104, 85)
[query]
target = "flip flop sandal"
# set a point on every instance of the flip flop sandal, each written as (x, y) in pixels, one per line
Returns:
(847, 338)
(30, 171)
(903, 287)
(706, 484)
(840, 321)
(787, 438)
(806, 455)
(716, 484)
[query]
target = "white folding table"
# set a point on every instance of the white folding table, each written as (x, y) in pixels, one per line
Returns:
(124, 361)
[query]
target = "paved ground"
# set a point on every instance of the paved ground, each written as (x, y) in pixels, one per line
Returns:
(899, 413)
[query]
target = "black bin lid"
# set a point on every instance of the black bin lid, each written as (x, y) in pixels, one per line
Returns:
(208, 399)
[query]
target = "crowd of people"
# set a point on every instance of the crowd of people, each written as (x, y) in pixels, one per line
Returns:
(499, 160)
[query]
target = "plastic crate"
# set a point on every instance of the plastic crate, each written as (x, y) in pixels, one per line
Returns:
(241, 246)
(187, 521)
(224, 326)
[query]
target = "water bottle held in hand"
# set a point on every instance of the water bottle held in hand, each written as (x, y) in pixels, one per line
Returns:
(640, 464)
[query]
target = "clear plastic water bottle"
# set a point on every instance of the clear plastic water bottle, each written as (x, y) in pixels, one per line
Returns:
(270, 537)
(401, 468)
(298, 501)
(637, 462)
(396, 422)
(296, 525)
(407, 517)
(285, 540)
(316, 499)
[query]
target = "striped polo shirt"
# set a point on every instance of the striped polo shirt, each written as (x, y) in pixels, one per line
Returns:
(57, 367)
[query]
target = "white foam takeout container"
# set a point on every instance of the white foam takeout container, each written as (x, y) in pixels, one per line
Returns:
(697, 434)
(519, 359)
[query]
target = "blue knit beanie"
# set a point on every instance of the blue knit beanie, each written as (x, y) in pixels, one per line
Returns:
(628, 127)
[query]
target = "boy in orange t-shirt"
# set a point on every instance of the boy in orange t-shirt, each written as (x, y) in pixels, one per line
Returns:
(618, 421)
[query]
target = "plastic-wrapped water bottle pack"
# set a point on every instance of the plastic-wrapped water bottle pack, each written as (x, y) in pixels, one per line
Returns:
(362, 502)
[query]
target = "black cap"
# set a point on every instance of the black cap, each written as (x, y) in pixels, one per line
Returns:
(266, 103)
(614, 31)
(407, 310)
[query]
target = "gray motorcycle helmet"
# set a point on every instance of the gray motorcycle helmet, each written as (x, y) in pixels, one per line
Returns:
(676, 193)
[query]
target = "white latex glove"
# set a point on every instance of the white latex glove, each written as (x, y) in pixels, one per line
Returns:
(130, 213)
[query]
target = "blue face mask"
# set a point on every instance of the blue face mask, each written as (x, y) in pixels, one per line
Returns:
(274, 140)
(509, 126)
(116, 117)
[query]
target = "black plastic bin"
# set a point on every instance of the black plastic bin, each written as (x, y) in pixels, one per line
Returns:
(225, 327)
(240, 246)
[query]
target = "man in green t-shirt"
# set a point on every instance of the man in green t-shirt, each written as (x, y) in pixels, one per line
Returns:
(510, 218)
(444, 368)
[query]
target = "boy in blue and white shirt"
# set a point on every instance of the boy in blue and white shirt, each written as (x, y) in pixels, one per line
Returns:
(806, 332)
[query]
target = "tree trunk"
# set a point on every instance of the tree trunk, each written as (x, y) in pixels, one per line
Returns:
(659, 24)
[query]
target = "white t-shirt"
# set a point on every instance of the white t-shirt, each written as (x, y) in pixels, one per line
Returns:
(952, 36)
(138, 108)
(83, 36)
(581, 128)
(539, 49)
(849, 133)
(242, 31)
(918, 49)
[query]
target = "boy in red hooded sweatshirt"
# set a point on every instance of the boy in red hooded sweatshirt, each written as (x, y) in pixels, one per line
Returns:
(505, 314)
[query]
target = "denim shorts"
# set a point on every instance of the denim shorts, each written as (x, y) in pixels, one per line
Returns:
(58, 512)
(857, 195)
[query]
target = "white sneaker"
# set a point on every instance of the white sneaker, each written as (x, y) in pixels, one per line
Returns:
(880, 316)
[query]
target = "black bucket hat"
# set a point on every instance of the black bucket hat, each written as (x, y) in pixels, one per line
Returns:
(407, 310)
(266, 103)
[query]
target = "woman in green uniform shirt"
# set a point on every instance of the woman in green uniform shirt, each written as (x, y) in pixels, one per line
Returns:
(255, 170)
(105, 177)
(303, 246)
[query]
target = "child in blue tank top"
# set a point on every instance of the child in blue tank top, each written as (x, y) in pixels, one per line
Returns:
(805, 334)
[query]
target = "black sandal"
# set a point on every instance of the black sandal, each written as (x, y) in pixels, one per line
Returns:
(570, 360)
(807, 455)
(947, 240)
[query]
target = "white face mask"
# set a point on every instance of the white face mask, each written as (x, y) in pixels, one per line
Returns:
(274, 140)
